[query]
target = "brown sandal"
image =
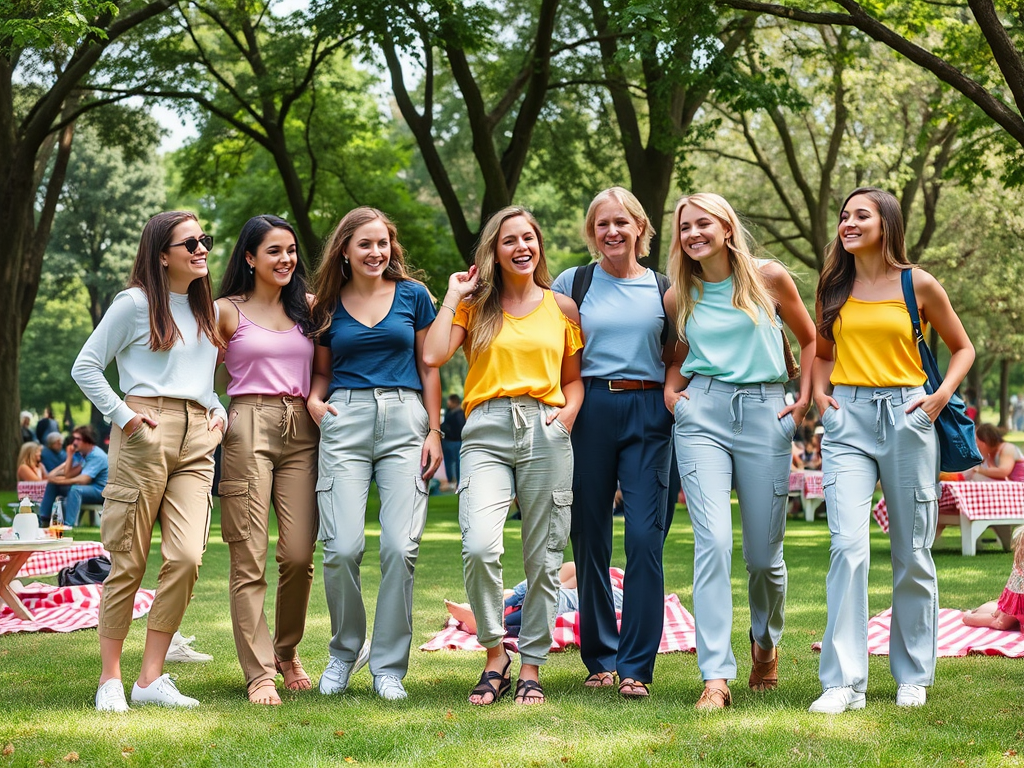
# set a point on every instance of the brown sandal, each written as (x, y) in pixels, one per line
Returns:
(633, 689)
(264, 693)
(295, 677)
(764, 675)
(600, 680)
(714, 698)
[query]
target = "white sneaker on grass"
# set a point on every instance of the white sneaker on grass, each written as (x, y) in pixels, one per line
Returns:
(335, 678)
(908, 695)
(110, 697)
(162, 691)
(181, 650)
(389, 687)
(836, 700)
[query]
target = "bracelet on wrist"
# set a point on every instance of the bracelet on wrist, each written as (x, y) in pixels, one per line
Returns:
(439, 432)
(448, 308)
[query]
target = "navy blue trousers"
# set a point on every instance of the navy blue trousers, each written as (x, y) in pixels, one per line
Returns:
(624, 438)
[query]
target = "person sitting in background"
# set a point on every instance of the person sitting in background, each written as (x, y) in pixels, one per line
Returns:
(46, 425)
(1007, 612)
(53, 454)
(1003, 460)
(30, 468)
(451, 443)
(811, 455)
(797, 458)
(81, 479)
(27, 435)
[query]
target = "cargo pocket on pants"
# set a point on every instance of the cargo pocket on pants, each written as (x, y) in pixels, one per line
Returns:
(777, 531)
(325, 503)
(234, 506)
(418, 518)
(926, 516)
(559, 521)
(661, 513)
(117, 526)
(828, 490)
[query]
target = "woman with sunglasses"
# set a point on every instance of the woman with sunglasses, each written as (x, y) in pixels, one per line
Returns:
(379, 410)
(269, 450)
(163, 333)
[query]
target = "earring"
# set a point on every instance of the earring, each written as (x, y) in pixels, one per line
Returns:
(346, 260)
(252, 270)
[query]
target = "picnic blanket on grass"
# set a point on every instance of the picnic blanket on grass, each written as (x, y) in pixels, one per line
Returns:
(64, 609)
(955, 637)
(678, 634)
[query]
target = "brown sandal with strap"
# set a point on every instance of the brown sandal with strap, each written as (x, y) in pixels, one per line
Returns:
(264, 693)
(714, 698)
(295, 677)
(764, 675)
(600, 680)
(633, 689)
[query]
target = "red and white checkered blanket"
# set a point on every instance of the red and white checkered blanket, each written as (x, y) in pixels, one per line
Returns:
(955, 637)
(64, 609)
(51, 561)
(976, 501)
(678, 634)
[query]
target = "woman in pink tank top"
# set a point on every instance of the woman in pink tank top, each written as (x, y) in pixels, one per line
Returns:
(270, 450)
(1003, 460)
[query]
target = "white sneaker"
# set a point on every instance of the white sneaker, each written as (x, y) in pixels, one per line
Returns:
(335, 678)
(908, 695)
(110, 697)
(181, 650)
(389, 687)
(162, 691)
(836, 700)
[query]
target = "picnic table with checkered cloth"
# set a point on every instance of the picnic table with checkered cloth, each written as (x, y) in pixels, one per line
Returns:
(973, 507)
(805, 484)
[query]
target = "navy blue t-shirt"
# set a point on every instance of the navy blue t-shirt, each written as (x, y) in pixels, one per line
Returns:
(385, 355)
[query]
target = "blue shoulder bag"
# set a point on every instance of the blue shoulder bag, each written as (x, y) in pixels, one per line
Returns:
(957, 449)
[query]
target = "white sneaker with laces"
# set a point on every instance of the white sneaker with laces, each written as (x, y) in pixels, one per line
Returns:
(335, 678)
(389, 687)
(836, 700)
(181, 650)
(110, 697)
(162, 691)
(908, 695)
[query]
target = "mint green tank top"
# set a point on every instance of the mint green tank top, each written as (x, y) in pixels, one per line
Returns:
(727, 345)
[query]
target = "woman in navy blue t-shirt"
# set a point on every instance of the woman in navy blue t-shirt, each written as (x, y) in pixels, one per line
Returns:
(368, 392)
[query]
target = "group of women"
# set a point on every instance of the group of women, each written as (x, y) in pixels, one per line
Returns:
(574, 388)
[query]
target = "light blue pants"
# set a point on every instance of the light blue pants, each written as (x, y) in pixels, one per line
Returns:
(728, 436)
(871, 437)
(508, 450)
(377, 435)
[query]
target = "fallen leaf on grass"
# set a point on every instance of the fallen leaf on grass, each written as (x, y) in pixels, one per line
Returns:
(1010, 753)
(126, 750)
(71, 757)
(351, 760)
(449, 715)
(440, 734)
(8, 749)
(339, 734)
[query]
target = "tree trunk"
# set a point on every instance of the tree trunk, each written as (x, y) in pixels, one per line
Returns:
(974, 383)
(1004, 394)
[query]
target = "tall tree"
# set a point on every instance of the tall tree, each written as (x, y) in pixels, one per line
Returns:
(48, 53)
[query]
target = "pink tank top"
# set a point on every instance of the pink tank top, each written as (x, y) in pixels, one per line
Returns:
(264, 362)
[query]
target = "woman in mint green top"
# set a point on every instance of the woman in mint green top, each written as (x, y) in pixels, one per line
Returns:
(733, 428)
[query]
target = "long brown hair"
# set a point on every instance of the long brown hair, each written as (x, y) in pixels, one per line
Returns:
(487, 297)
(334, 272)
(749, 292)
(149, 275)
(836, 282)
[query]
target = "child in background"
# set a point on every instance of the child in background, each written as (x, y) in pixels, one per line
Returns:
(1008, 611)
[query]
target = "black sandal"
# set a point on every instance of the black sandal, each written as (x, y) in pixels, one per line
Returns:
(486, 684)
(526, 687)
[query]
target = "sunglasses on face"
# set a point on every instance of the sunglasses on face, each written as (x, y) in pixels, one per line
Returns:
(191, 243)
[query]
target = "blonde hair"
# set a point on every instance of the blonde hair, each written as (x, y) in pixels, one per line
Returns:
(627, 200)
(750, 292)
(486, 300)
(27, 454)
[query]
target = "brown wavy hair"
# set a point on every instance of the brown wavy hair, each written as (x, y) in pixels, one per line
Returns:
(149, 275)
(333, 272)
(836, 282)
(486, 299)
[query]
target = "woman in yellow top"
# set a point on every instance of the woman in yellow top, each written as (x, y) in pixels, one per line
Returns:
(523, 392)
(879, 426)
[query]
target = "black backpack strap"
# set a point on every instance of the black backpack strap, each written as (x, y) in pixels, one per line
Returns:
(663, 285)
(581, 280)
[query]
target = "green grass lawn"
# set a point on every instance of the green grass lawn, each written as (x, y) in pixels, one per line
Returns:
(974, 716)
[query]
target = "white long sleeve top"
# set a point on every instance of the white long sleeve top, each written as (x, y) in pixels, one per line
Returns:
(184, 371)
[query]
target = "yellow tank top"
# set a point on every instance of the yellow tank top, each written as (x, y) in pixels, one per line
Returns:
(875, 347)
(525, 357)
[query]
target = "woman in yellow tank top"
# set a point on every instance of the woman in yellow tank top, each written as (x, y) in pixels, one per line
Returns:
(879, 426)
(523, 391)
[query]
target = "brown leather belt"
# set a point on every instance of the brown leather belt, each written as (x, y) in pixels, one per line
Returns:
(628, 385)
